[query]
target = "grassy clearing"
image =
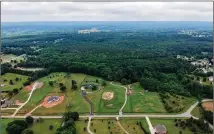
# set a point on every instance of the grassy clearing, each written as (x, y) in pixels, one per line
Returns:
(80, 125)
(72, 97)
(43, 128)
(7, 112)
(176, 103)
(16, 84)
(105, 126)
(196, 112)
(114, 105)
(170, 126)
(3, 125)
(8, 57)
(131, 126)
(141, 101)
(39, 94)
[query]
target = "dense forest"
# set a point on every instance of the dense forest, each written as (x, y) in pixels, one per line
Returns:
(130, 55)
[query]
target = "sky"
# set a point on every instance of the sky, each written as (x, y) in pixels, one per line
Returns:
(106, 11)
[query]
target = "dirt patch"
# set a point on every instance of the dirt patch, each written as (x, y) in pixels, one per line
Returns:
(29, 87)
(208, 105)
(110, 105)
(129, 92)
(48, 104)
(108, 95)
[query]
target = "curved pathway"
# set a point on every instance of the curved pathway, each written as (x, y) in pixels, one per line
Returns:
(88, 127)
(118, 123)
(121, 109)
(90, 103)
(33, 88)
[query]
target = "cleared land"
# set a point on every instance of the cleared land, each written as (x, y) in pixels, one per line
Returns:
(208, 105)
(43, 128)
(73, 99)
(170, 126)
(141, 101)
(8, 57)
(132, 126)
(7, 86)
(196, 112)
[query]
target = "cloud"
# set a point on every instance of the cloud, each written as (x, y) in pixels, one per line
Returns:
(107, 11)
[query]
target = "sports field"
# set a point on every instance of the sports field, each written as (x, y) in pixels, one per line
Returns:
(141, 101)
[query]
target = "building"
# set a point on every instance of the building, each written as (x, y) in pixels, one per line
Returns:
(53, 99)
(211, 78)
(7, 103)
(160, 129)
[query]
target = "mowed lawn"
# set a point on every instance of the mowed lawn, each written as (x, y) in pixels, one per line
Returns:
(3, 125)
(131, 126)
(110, 106)
(80, 125)
(72, 97)
(16, 84)
(143, 102)
(39, 94)
(170, 126)
(196, 112)
(43, 128)
(105, 126)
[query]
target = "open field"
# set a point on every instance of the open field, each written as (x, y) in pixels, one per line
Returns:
(8, 57)
(7, 112)
(3, 125)
(80, 125)
(15, 83)
(105, 126)
(38, 128)
(170, 126)
(131, 125)
(43, 128)
(196, 112)
(72, 97)
(40, 93)
(141, 101)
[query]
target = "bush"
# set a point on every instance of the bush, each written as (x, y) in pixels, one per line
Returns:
(29, 120)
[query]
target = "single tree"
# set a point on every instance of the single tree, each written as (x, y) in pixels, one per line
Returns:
(29, 120)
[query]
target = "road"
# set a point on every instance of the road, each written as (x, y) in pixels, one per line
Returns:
(121, 109)
(88, 126)
(33, 88)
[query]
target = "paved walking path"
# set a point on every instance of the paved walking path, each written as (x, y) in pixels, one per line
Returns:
(88, 127)
(33, 88)
(151, 129)
(121, 109)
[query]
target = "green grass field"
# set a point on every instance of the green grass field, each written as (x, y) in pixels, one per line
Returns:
(196, 112)
(131, 126)
(43, 128)
(8, 57)
(72, 97)
(3, 125)
(80, 125)
(144, 102)
(170, 126)
(114, 105)
(38, 128)
(16, 84)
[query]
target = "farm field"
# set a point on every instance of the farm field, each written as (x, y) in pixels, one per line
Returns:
(141, 101)
(132, 127)
(170, 126)
(15, 83)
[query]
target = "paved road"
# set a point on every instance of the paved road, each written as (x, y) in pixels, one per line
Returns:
(151, 129)
(88, 126)
(33, 88)
(121, 109)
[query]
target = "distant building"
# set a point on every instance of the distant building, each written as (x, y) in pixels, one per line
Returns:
(53, 99)
(160, 129)
(211, 78)
(7, 103)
